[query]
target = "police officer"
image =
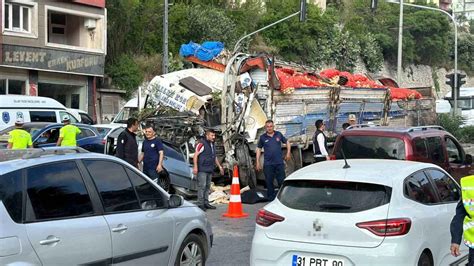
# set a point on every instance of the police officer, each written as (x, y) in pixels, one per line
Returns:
(19, 138)
(463, 220)
(320, 145)
(127, 147)
(273, 165)
(68, 133)
(205, 161)
(152, 153)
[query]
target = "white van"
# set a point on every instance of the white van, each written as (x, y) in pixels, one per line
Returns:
(31, 109)
(130, 109)
(465, 103)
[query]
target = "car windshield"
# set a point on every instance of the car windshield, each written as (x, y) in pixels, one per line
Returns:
(103, 131)
(32, 129)
(333, 196)
(371, 147)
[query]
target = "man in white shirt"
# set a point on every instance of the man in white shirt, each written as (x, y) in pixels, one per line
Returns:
(320, 146)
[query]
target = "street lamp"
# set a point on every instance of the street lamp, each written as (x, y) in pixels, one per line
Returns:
(455, 42)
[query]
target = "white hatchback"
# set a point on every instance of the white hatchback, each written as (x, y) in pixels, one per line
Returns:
(377, 212)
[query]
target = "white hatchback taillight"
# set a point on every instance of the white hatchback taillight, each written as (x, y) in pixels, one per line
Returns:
(388, 227)
(266, 218)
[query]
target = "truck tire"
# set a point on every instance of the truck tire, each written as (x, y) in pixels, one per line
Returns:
(247, 173)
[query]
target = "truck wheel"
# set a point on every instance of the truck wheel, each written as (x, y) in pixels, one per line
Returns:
(247, 173)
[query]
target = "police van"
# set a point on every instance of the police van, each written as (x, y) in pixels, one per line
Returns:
(31, 109)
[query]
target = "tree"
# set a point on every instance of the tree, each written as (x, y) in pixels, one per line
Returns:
(125, 74)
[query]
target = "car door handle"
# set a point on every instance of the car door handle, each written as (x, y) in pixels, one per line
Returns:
(50, 241)
(119, 228)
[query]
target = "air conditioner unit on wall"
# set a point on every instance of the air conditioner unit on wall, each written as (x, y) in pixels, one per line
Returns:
(90, 23)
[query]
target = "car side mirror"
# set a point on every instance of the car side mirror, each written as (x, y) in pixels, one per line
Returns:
(468, 160)
(175, 201)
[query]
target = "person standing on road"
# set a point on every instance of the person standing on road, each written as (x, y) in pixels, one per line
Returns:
(320, 145)
(152, 153)
(205, 161)
(273, 164)
(68, 133)
(127, 147)
(19, 137)
(463, 220)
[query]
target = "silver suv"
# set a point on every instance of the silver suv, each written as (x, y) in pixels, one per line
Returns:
(67, 206)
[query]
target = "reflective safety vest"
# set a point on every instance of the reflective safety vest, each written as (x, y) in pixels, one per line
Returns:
(467, 187)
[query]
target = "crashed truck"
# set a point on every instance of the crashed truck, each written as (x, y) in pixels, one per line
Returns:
(237, 98)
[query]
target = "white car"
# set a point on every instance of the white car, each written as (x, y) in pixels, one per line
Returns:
(377, 212)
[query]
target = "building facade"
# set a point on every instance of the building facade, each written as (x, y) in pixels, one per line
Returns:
(53, 48)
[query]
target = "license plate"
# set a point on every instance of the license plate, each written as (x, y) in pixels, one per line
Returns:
(315, 261)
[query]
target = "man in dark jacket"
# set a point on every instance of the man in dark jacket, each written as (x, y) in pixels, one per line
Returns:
(127, 147)
(205, 161)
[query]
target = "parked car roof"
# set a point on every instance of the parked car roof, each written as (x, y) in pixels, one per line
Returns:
(20, 162)
(363, 170)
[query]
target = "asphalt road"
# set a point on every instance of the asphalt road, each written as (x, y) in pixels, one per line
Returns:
(232, 237)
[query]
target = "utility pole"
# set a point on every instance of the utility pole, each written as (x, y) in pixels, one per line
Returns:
(165, 39)
(400, 45)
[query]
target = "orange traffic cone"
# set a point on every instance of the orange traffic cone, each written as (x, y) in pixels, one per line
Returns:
(235, 204)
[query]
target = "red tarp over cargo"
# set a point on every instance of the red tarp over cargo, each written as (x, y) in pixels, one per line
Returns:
(291, 80)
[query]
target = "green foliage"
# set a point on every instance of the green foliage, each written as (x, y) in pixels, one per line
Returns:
(371, 53)
(451, 124)
(466, 52)
(466, 134)
(346, 52)
(125, 74)
(427, 37)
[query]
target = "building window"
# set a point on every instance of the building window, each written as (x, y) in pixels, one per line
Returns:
(57, 28)
(18, 17)
(11, 86)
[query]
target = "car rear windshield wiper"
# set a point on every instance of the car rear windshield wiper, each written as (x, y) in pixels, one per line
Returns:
(333, 206)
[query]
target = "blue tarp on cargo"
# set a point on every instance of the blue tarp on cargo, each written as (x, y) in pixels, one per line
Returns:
(205, 52)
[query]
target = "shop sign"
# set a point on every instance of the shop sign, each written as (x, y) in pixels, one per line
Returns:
(53, 60)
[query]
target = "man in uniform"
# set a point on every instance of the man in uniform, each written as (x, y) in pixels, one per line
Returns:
(273, 165)
(68, 133)
(19, 138)
(152, 153)
(205, 161)
(463, 220)
(127, 147)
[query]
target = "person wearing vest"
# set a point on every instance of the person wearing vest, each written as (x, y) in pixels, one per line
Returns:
(68, 133)
(273, 164)
(19, 138)
(320, 145)
(205, 162)
(463, 221)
